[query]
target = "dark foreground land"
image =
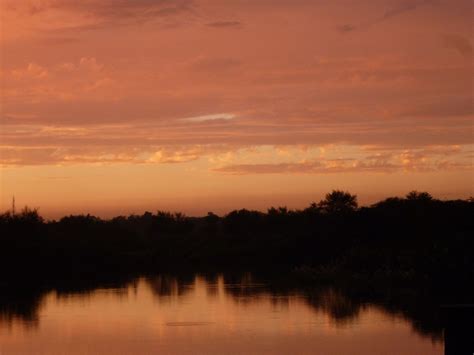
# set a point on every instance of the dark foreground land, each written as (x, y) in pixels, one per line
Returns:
(413, 239)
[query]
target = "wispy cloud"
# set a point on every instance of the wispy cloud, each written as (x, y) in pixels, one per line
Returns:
(213, 117)
(315, 167)
(400, 8)
(238, 160)
(97, 14)
(420, 160)
(404, 6)
(33, 70)
(459, 43)
(225, 24)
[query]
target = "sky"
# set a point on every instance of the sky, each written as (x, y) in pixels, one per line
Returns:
(120, 106)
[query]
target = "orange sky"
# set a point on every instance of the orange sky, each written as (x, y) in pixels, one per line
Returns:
(117, 106)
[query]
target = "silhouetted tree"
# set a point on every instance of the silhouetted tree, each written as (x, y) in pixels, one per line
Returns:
(338, 202)
(419, 196)
(390, 202)
(211, 218)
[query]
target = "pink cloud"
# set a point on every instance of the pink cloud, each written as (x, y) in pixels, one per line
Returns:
(151, 76)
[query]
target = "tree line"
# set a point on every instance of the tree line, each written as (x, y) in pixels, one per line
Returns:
(415, 238)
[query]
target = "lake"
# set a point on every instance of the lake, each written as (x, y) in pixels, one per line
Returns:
(199, 314)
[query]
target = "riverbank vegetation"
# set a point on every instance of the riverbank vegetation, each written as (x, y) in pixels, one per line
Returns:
(416, 238)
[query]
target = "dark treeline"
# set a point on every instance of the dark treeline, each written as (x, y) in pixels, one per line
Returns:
(412, 239)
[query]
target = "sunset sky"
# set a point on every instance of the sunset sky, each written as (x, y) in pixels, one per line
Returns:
(120, 106)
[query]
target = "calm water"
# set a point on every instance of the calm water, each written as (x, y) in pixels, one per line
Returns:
(200, 315)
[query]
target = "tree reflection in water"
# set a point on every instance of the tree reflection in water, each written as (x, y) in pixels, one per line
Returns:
(343, 304)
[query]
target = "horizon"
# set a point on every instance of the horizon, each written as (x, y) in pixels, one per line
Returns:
(202, 211)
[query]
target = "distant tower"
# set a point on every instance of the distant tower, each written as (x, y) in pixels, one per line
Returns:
(13, 205)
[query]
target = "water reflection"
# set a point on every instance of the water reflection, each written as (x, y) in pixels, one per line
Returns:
(212, 314)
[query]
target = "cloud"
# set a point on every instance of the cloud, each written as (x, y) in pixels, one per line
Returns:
(238, 129)
(459, 43)
(167, 156)
(280, 168)
(33, 70)
(54, 145)
(233, 147)
(314, 167)
(225, 24)
(213, 117)
(62, 82)
(422, 160)
(443, 107)
(404, 6)
(95, 14)
(114, 8)
(399, 9)
(132, 92)
(90, 63)
(346, 28)
(24, 156)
